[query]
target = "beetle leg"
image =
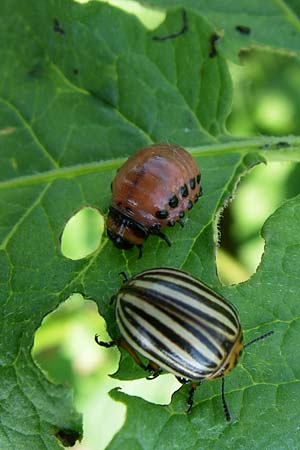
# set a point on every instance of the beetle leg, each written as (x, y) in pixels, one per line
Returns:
(163, 236)
(154, 370)
(183, 380)
(191, 397)
(181, 223)
(155, 229)
(154, 375)
(105, 344)
(151, 367)
(122, 343)
(112, 299)
(140, 247)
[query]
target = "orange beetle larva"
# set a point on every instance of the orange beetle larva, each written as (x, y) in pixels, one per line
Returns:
(152, 190)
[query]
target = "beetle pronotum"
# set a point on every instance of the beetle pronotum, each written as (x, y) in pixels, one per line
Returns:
(180, 325)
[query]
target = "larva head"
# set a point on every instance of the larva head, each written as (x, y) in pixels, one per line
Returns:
(123, 231)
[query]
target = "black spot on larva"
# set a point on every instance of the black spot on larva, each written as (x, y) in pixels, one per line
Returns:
(181, 214)
(198, 178)
(162, 214)
(243, 29)
(173, 202)
(192, 183)
(184, 190)
(190, 204)
(57, 27)
(171, 223)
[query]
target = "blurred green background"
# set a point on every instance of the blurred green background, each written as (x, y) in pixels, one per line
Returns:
(266, 101)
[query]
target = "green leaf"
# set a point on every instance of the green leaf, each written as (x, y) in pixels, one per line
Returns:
(263, 391)
(270, 24)
(76, 98)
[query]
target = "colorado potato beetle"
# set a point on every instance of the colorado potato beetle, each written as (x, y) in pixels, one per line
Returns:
(180, 325)
(152, 190)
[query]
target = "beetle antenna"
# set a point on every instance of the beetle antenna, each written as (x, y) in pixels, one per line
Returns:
(225, 406)
(259, 338)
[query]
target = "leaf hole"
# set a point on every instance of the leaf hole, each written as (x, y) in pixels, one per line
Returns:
(64, 344)
(65, 349)
(149, 16)
(259, 193)
(82, 233)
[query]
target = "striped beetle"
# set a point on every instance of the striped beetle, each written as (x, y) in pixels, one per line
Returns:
(180, 325)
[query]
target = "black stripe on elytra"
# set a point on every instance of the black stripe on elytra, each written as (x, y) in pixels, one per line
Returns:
(181, 317)
(230, 314)
(183, 307)
(176, 362)
(198, 334)
(170, 334)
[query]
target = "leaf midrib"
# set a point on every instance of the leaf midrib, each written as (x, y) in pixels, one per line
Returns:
(236, 145)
